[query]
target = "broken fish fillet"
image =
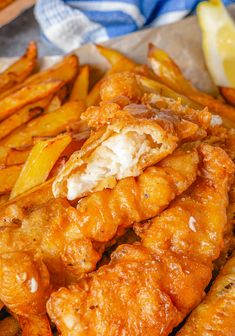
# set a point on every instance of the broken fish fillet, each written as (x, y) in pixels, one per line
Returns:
(123, 148)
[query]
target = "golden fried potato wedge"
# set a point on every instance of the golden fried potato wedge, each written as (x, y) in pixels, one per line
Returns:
(35, 325)
(39, 163)
(118, 63)
(8, 177)
(54, 104)
(170, 74)
(228, 94)
(20, 70)
(65, 71)
(117, 60)
(93, 97)
(9, 326)
(81, 84)
(27, 95)
(50, 124)
(21, 117)
(163, 90)
(5, 3)
(215, 315)
(4, 199)
(16, 156)
(112, 56)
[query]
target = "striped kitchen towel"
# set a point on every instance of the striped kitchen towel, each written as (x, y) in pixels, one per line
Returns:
(70, 23)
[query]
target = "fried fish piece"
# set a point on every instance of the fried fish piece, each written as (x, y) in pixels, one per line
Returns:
(215, 315)
(24, 283)
(122, 148)
(71, 241)
(140, 291)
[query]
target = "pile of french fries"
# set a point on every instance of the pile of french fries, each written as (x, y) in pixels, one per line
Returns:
(40, 125)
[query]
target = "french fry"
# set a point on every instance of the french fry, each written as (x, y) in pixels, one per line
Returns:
(20, 70)
(5, 3)
(39, 163)
(50, 124)
(27, 95)
(118, 63)
(35, 325)
(117, 60)
(170, 74)
(93, 97)
(81, 85)
(4, 199)
(228, 94)
(54, 104)
(9, 326)
(16, 156)
(65, 71)
(8, 177)
(163, 90)
(25, 114)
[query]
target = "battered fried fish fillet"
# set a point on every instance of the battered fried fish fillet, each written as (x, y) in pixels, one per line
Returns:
(186, 123)
(215, 315)
(70, 241)
(148, 289)
(120, 149)
(24, 282)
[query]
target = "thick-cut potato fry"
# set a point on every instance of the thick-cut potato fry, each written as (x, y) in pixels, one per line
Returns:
(40, 161)
(35, 325)
(9, 326)
(8, 177)
(65, 71)
(112, 56)
(16, 156)
(50, 124)
(170, 74)
(3, 200)
(25, 114)
(54, 104)
(5, 3)
(157, 87)
(81, 84)
(93, 97)
(118, 63)
(27, 95)
(228, 94)
(20, 70)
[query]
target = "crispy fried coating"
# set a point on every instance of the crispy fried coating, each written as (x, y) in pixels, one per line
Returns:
(186, 123)
(140, 291)
(71, 241)
(215, 315)
(24, 283)
(122, 148)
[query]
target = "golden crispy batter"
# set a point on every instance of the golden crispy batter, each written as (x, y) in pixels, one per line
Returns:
(140, 291)
(71, 241)
(35, 325)
(120, 149)
(24, 283)
(186, 123)
(215, 315)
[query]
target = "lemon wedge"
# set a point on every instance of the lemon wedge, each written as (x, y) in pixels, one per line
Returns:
(218, 41)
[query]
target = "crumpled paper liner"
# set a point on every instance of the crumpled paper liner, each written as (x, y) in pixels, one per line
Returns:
(182, 40)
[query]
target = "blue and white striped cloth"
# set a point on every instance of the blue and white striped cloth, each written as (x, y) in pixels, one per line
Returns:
(70, 23)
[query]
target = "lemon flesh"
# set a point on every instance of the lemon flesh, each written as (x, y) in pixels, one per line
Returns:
(218, 41)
